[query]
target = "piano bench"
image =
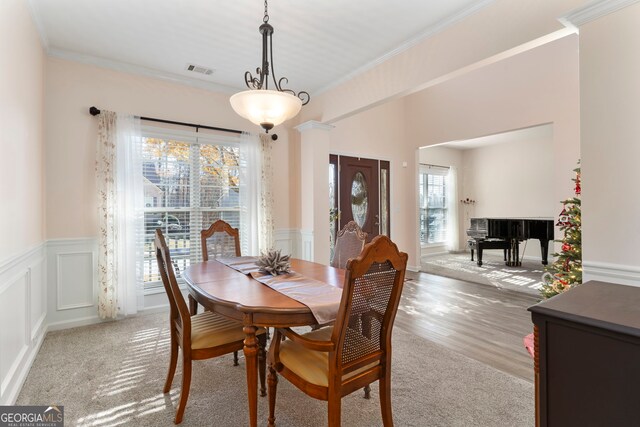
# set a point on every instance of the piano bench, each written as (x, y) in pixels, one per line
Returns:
(482, 244)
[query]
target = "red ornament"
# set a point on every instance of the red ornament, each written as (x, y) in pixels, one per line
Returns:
(566, 247)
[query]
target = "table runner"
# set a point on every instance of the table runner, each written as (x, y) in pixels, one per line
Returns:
(323, 300)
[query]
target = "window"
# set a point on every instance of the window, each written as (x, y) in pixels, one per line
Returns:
(433, 204)
(189, 181)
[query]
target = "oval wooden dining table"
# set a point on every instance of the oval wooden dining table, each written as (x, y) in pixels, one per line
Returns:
(222, 289)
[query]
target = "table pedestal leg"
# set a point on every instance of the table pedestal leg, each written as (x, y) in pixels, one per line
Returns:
(251, 361)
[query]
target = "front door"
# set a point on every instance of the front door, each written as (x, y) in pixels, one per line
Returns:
(359, 190)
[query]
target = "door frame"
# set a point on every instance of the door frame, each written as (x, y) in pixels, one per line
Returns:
(383, 163)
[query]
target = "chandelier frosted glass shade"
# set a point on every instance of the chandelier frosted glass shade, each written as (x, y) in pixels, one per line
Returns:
(267, 108)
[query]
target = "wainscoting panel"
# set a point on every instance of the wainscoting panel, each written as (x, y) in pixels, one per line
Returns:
(288, 241)
(13, 340)
(613, 273)
(75, 279)
(72, 282)
(306, 245)
(38, 291)
(22, 316)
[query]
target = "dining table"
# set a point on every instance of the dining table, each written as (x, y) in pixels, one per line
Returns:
(231, 293)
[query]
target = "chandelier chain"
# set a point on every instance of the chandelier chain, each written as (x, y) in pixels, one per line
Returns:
(266, 13)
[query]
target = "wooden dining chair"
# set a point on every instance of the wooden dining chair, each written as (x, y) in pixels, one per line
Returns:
(332, 362)
(219, 240)
(349, 243)
(201, 336)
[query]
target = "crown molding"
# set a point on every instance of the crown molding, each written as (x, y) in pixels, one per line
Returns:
(429, 32)
(594, 10)
(313, 125)
(139, 70)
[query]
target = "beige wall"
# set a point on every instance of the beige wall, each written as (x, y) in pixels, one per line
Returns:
(21, 99)
(610, 104)
(536, 87)
(498, 27)
(71, 88)
(514, 179)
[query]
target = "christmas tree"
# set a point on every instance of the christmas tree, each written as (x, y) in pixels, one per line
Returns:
(566, 271)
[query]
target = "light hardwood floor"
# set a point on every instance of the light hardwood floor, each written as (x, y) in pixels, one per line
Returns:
(482, 322)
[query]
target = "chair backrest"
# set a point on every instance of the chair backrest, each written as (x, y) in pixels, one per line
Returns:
(349, 243)
(370, 299)
(179, 312)
(220, 240)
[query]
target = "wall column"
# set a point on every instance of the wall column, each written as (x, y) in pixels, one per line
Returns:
(314, 190)
(609, 129)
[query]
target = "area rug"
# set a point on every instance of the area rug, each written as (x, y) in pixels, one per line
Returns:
(113, 373)
(526, 278)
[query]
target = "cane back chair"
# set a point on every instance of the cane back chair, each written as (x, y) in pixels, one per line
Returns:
(334, 361)
(349, 243)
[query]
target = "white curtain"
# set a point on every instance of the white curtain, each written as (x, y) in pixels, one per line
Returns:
(453, 239)
(256, 199)
(120, 192)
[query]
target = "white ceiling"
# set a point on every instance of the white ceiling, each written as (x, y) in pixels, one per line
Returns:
(317, 44)
(527, 134)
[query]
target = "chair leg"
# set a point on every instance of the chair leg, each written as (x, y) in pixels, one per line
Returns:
(273, 388)
(172, 364)
(184, 392)
(335, 409)
(385, 400)
(262, 361)
(367, 391)
(235, 358)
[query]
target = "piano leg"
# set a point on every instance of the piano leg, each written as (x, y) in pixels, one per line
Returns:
(505, 255)
(514, 254)
(471, 254)
(479, 254)
(544, 250)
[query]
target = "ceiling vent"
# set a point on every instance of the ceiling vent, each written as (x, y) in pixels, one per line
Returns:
(199, 69)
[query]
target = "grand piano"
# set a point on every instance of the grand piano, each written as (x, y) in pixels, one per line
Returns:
(507, 233)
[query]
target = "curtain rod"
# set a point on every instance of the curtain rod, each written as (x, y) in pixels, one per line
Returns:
(95, 111)
(438, 166)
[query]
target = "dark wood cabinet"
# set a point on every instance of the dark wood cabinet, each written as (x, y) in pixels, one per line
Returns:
(587, 357)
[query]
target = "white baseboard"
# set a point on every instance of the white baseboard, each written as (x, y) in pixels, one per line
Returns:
(607, 272)
(413, 268)
(75, 323)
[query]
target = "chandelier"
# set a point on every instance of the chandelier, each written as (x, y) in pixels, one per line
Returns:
(261, 105)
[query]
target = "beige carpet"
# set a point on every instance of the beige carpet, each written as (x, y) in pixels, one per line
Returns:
(112, 374)
(527, 278)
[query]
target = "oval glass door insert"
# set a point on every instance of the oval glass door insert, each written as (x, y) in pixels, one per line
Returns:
(359, 199)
